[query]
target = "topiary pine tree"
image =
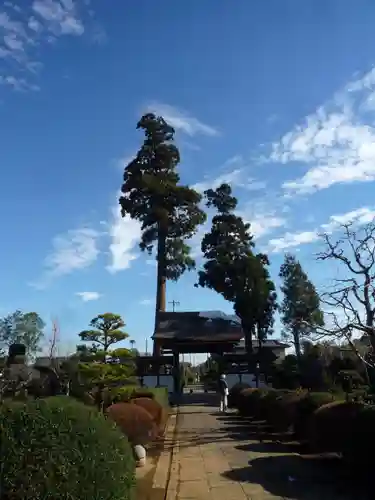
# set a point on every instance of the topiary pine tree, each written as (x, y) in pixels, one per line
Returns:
(98, 366)
(300, 307)
(169, 212)
(106, 331)
(233, 270)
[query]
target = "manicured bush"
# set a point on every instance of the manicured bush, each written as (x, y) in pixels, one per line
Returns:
(360, 441)
(134, 421)
(59, 448)
(266, 404)
(249, 401)
(285, 410)
(306, 407)
(235, 392)
(126, 393)
(160, 394)
(153, 408)
(242, 401)
(331, 426)
(121, 394)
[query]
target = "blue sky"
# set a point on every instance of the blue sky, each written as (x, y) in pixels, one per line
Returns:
(275, 97)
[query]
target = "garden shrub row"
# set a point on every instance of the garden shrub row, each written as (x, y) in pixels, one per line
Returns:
(134, 421)
(125, 393)
(327, 422)
(141, 413)
(60, 448)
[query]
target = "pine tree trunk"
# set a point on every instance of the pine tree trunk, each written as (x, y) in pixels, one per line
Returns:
(248, 332)
(161, 279)
(260, 353)
(297, 346)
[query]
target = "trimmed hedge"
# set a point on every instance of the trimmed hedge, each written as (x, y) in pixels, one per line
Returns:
(324, 420)
(157, 412)
(306, 407)
(360, 441)
(282, 409)
(235, 392)
(134, 421)
(331, 426)
(59, 448)
(247, 401)
(126, 393)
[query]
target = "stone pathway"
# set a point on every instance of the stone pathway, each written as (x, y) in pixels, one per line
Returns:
(217, 458)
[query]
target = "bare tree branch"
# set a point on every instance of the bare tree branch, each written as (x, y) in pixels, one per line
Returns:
(53, 339)
(352, 295)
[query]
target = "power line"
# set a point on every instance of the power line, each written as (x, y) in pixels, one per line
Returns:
(174, 304)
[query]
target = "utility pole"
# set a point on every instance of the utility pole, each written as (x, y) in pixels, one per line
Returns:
(174, 304)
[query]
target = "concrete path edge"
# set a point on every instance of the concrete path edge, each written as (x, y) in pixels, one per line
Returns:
(164, 465)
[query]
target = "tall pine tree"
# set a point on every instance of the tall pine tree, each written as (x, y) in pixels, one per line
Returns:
(233, 270)
(169, 212)
(300, 308)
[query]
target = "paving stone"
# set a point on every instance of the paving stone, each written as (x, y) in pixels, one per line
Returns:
(192, 489)
(228, 492)
(215, 461)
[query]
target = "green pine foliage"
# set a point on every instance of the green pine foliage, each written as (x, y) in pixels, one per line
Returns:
(169, 212)
(233, 270)
(300, 308)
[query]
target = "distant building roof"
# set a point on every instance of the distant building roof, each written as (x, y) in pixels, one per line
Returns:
(272, 343)
(198, 326)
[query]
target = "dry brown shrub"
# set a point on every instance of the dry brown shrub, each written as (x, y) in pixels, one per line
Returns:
(152, 407)
(134, 421)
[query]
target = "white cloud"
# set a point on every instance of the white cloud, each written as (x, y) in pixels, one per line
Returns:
(77, 249)
(19, 84)
(292, 240)
(34, 24)
(337, 142)
(181, 120)
(60, 17)
(146, 302)
(358, 217)
(125, 234)
(263, 224)
(22, 34)
(88, 296)
(233, 172)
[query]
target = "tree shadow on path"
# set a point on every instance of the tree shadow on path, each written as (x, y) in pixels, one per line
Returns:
(298, 477)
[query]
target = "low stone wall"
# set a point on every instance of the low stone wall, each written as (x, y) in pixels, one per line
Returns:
(246, 378)
(164, 381)
(232, 379)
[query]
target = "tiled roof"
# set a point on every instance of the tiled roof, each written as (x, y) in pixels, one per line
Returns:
(267, 343)
(197, 325)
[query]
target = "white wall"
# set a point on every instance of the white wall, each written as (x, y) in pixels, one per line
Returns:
(164, 381)
(246, 378)
(232, 379)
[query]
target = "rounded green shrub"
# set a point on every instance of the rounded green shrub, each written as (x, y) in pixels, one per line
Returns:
(332, 425)
(249, 401)
(306, 407)
(58, 448)
(266, 404)
(360, 440)
(235, 392)
(285, 410)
